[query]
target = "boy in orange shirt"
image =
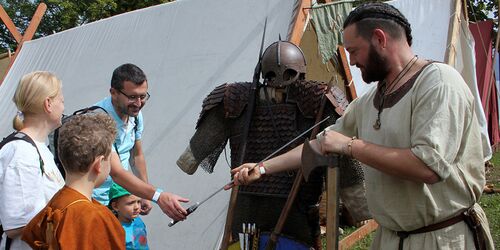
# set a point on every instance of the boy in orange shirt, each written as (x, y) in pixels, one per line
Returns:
(72, 219)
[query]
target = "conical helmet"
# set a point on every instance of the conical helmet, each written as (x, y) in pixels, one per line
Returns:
(282, 63)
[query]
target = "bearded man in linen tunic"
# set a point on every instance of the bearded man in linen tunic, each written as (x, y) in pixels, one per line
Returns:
(416, 136)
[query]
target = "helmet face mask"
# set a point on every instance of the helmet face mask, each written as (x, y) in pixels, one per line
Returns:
(282, 63)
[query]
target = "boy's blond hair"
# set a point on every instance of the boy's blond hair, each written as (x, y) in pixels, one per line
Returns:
(83, 138)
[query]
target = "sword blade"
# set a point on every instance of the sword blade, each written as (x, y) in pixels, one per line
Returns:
(231, 183)
(290, 142)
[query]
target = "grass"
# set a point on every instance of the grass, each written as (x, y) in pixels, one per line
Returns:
(361, 244)
(489, 202)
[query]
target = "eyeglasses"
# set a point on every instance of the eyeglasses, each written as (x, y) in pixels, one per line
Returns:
(133, 98)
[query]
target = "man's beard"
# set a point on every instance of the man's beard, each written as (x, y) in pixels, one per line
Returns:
(376, 69)
(127, 110)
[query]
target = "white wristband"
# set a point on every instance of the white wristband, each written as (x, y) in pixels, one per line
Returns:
(262, 170)
(156, 196)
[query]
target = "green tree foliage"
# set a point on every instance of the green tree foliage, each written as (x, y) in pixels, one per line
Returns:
(63, 14)
(479, 10)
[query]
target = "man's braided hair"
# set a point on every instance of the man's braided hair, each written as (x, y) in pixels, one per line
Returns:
(370, 16)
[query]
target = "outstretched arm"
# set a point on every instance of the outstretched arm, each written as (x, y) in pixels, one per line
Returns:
(246, 173)
(140, 162)
(401, 163)
(207, 143)
(168, 202)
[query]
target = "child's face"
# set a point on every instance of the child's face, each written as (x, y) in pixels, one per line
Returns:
(128, 207)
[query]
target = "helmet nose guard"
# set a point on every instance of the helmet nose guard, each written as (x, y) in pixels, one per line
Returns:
(282, 63)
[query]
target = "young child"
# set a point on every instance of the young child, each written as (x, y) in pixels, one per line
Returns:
(72, 219)
(127, 207)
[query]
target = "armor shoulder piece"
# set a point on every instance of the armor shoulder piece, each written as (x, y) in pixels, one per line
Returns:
(212, 100)
(236, 98)
(308, 96)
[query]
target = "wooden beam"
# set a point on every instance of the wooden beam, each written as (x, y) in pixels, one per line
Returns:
(357, 235)
(10, 25)
(332, 208)
(28, 34)
(349, 83)
(35, 21)
(226, 237)
(453, 33)
(464, 10)
(300, 22)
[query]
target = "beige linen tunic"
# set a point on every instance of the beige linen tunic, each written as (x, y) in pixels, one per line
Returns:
(436, 120)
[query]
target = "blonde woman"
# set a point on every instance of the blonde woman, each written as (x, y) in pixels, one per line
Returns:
(28, 174)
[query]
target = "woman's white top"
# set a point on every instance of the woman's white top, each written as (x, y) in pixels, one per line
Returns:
(24, 191)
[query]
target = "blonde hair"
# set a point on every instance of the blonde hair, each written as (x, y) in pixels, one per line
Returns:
(31, 92)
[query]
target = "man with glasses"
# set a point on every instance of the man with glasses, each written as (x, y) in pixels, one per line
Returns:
(129, 93)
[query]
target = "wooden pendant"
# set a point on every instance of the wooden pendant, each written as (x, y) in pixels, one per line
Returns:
(377, 124)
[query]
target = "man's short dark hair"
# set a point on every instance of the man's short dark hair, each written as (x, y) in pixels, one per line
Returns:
(127, 72)
(370, 16)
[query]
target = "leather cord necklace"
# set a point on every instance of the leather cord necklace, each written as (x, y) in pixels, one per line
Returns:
(386, 89)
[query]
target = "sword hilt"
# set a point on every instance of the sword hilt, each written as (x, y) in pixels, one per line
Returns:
(189, 211)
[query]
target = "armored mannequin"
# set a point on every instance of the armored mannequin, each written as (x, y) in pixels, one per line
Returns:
(285, 106)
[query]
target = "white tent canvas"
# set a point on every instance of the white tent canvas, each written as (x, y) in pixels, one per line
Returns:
(186, 48)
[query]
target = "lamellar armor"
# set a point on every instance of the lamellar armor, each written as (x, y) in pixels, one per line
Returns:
(279, 115)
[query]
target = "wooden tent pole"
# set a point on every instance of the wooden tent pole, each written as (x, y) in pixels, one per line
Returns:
(28, 34)
(10, 25)
(349, 83)
(300, 21)
(35, 21)
(464, 10)
(453, 33)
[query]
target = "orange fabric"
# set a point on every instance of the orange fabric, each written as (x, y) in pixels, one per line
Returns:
(77, 224)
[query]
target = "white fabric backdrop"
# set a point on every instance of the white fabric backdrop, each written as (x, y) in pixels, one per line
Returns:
(186, 48)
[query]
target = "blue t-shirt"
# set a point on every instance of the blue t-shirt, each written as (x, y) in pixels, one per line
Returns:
(124, 142)
(136, 236)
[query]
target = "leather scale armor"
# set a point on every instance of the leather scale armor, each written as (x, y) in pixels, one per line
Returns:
(272, 126)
